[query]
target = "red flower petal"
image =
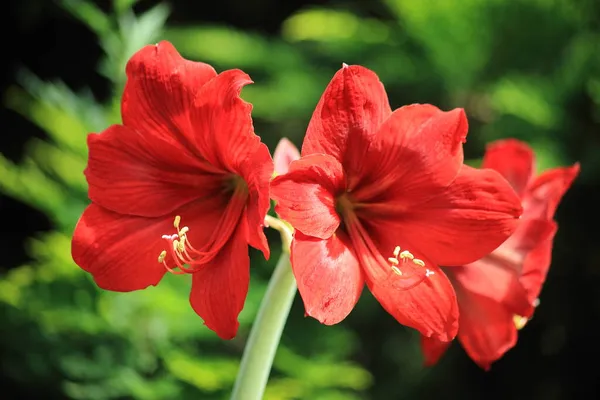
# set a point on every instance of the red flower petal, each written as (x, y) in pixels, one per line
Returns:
(329, 277)
(119, 251)
(220, 287)
(530, 234)
(487, 330)
(536, 265)
(491, 279)
(472, 217)
(284, 154)
(141, 174)
(498, 275)
(513, 159)
(225, 137)
(545, 193)
(257, 172)
(222, 122)
(433, 350)
(306, 195)
(160, 91)
(416, 154)
(350, 111)
(430, 307)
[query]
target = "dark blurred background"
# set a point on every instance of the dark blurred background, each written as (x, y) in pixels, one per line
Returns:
(528, 69)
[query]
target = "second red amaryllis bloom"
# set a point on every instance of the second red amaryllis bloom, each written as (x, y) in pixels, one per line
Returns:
(182, 185)
(498, 293)
(374, 185)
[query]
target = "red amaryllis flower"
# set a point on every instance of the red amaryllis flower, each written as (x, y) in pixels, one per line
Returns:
(184, 179)
(373, 184)
(498, 293)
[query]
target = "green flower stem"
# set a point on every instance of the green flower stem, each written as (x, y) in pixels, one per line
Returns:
(266, 331)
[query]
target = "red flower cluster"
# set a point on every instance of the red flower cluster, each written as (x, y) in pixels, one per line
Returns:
(498, 293)
(186, 154)
(376, 197)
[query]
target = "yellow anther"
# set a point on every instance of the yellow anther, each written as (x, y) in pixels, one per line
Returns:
(519, 321)
(402, 257)
(182, 252)
(181, 246)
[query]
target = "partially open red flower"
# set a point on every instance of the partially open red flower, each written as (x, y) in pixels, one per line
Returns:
(183, 180)
(373, 184)
(498, 293)
(284, 154)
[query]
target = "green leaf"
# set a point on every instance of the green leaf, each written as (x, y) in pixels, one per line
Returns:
(88, 13)
(122, 6)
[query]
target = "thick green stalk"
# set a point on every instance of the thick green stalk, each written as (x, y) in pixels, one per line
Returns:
(267, 328)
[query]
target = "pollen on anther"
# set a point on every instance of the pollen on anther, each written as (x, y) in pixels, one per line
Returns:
(519, 322)
(162, 256)
(177, 222)
(418, 262)
(403, 257)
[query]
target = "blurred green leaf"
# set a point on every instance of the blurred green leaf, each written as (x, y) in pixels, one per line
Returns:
(89, 13)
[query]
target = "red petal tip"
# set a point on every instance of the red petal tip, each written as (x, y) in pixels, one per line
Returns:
(485, 366)
(227, 336)
(462, 125)
(573, 172)
(449, 333)
(150, 51)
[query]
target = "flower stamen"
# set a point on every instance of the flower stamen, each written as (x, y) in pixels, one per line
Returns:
(179, 245)
(396, 270)
(407, 274)
(521, 321)
(404, 257)
(187, 258)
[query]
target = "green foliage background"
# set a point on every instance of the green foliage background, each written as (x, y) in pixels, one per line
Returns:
(524, 68)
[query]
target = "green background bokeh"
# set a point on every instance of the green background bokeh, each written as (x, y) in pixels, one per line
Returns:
(528, 69)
